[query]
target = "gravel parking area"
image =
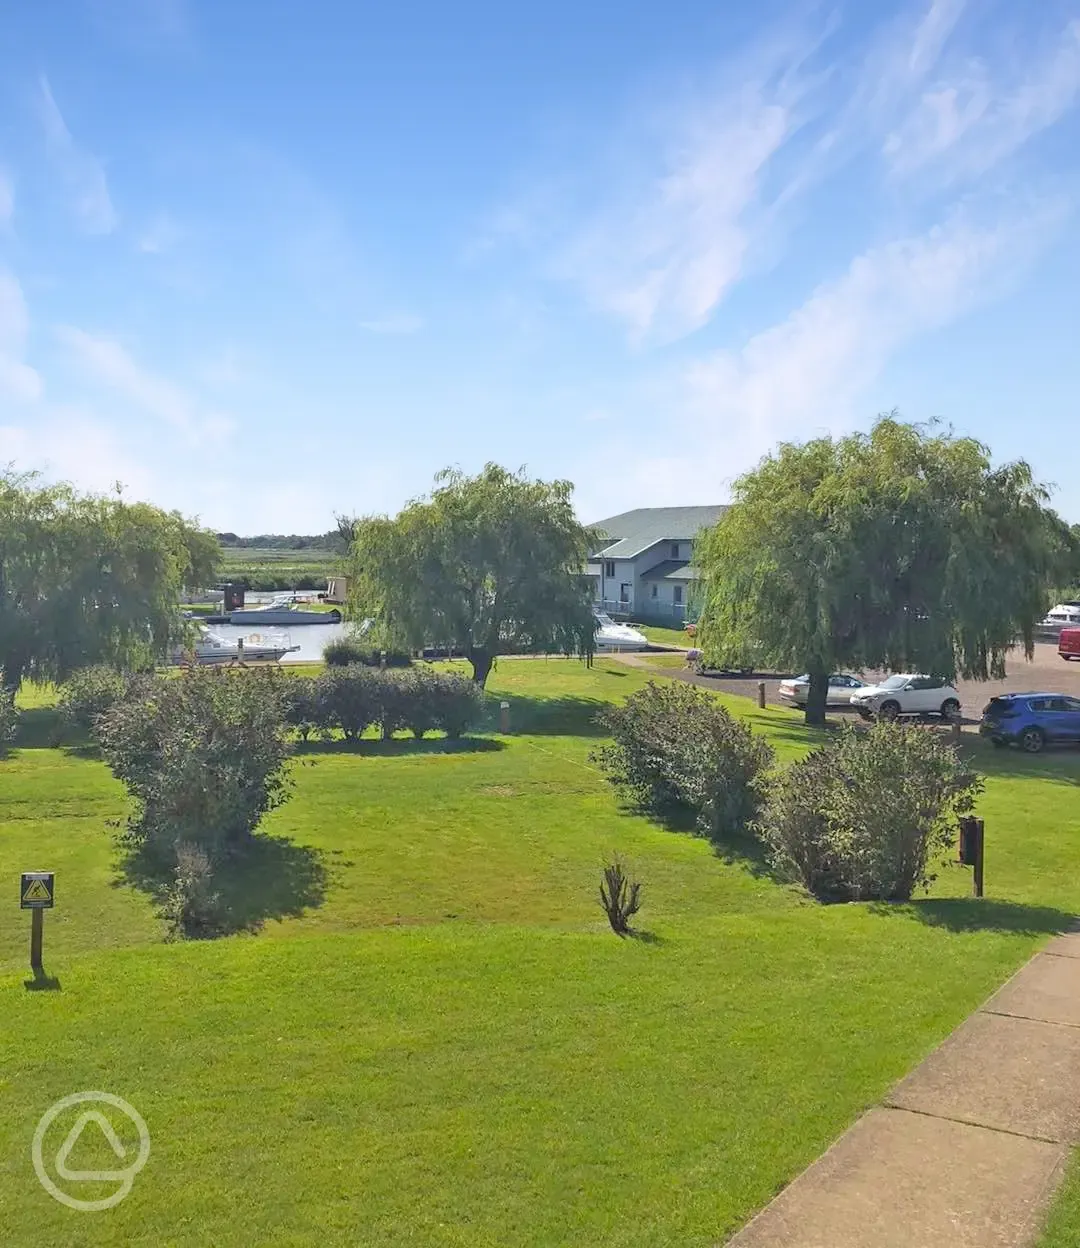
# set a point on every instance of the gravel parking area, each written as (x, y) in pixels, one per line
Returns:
(1046, 671)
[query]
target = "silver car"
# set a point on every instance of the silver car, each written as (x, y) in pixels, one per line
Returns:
(841, 687)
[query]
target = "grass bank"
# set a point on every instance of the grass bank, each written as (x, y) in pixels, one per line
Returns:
(425, 1034)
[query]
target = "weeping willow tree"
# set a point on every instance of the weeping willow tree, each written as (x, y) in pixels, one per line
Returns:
(491, 564)
(904, 548)
(89, 579)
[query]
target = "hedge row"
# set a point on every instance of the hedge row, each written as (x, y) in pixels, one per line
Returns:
(347, 700)
(352, 699)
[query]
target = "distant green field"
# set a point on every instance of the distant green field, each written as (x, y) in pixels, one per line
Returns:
(260, 554)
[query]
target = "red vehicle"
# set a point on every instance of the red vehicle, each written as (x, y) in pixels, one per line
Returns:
(1069, 643)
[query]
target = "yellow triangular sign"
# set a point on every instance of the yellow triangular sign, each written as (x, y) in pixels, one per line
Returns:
(36, 891)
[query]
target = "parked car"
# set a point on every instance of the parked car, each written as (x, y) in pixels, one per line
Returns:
(910, 694)
(1031, 720)
(1069, 643)
(841, 688)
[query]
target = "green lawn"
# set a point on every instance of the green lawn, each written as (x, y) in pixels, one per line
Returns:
(666, 636)
(428, 1035)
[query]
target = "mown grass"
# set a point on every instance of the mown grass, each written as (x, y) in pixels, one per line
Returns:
(660, 636)
(432, 1038)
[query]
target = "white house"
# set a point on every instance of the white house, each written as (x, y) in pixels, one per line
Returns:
(642, 566)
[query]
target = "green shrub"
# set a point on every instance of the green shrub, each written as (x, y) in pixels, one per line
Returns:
(867, 816)
(204, 756)
(675, 747)
(346, 650)
(346, 700)
(300, 704)
(91, 691)
(9, 722)
(191, 909)
(456, 703)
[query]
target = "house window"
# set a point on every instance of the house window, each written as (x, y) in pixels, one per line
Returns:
(624, 592)
(653, 590)
(674, 550)
(678, 594)
(609, 568)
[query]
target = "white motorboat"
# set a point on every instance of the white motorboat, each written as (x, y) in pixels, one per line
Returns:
(612, 636)
(1064, 615)
(211, 648)
(285, 610)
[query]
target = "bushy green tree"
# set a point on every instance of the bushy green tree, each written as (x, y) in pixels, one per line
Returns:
(867, 816)
(204, 756)
(89, 579)
(902, 548)
(491, 564)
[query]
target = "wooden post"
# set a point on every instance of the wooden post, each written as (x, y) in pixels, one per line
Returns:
(761, 694)
(504, 718)
(978, 864)
(382, 658)
(37, 925)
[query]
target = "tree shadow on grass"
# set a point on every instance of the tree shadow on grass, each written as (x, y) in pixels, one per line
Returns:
(549, 717)
(272, 878)
(739, 849)
(397, 747)
(980, 914)
(1060, 764)
(42, 728)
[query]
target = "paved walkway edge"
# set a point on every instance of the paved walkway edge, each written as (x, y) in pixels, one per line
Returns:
(968, 1150)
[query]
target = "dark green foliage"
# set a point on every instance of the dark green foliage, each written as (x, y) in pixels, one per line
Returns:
(620, 898)
(904, 549)
(204, 756)
(87, 579)
(9, 722)
(191, 908)
(676, 747)
(90, 691)
(346, 698)
(488, 565)
(352, 699)
(301, 704)
(868, 815)
(346, 650)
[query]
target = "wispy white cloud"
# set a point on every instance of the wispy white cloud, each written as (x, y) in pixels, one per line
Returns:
(810, 371)
(161, 235)
(70, 444)
(82, 172)
(108, 362)
(17, 379)
(397, 323)
(971, 119)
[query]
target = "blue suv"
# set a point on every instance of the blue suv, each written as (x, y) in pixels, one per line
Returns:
(1032, 720)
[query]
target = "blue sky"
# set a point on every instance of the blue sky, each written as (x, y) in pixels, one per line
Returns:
(266, 262)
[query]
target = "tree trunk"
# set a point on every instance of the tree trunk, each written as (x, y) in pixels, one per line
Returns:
(815, 697)
(11, 672)
(481, 661)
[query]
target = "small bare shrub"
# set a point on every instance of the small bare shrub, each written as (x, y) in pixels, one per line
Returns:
(620, 897)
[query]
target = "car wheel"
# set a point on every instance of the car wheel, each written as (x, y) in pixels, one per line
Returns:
(950, 707)
(889, 710)
(1032, 740)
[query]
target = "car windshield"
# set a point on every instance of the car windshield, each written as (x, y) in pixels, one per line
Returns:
(895, 682)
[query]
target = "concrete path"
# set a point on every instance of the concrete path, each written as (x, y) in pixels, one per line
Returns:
(968, 1150)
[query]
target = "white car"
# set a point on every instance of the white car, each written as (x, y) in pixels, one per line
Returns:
(841, 688)
(907, 695)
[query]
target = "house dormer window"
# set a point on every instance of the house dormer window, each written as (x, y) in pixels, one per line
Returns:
(674, 550)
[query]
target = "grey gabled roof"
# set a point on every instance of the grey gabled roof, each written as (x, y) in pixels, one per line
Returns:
(634, 531)
(671, 570)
